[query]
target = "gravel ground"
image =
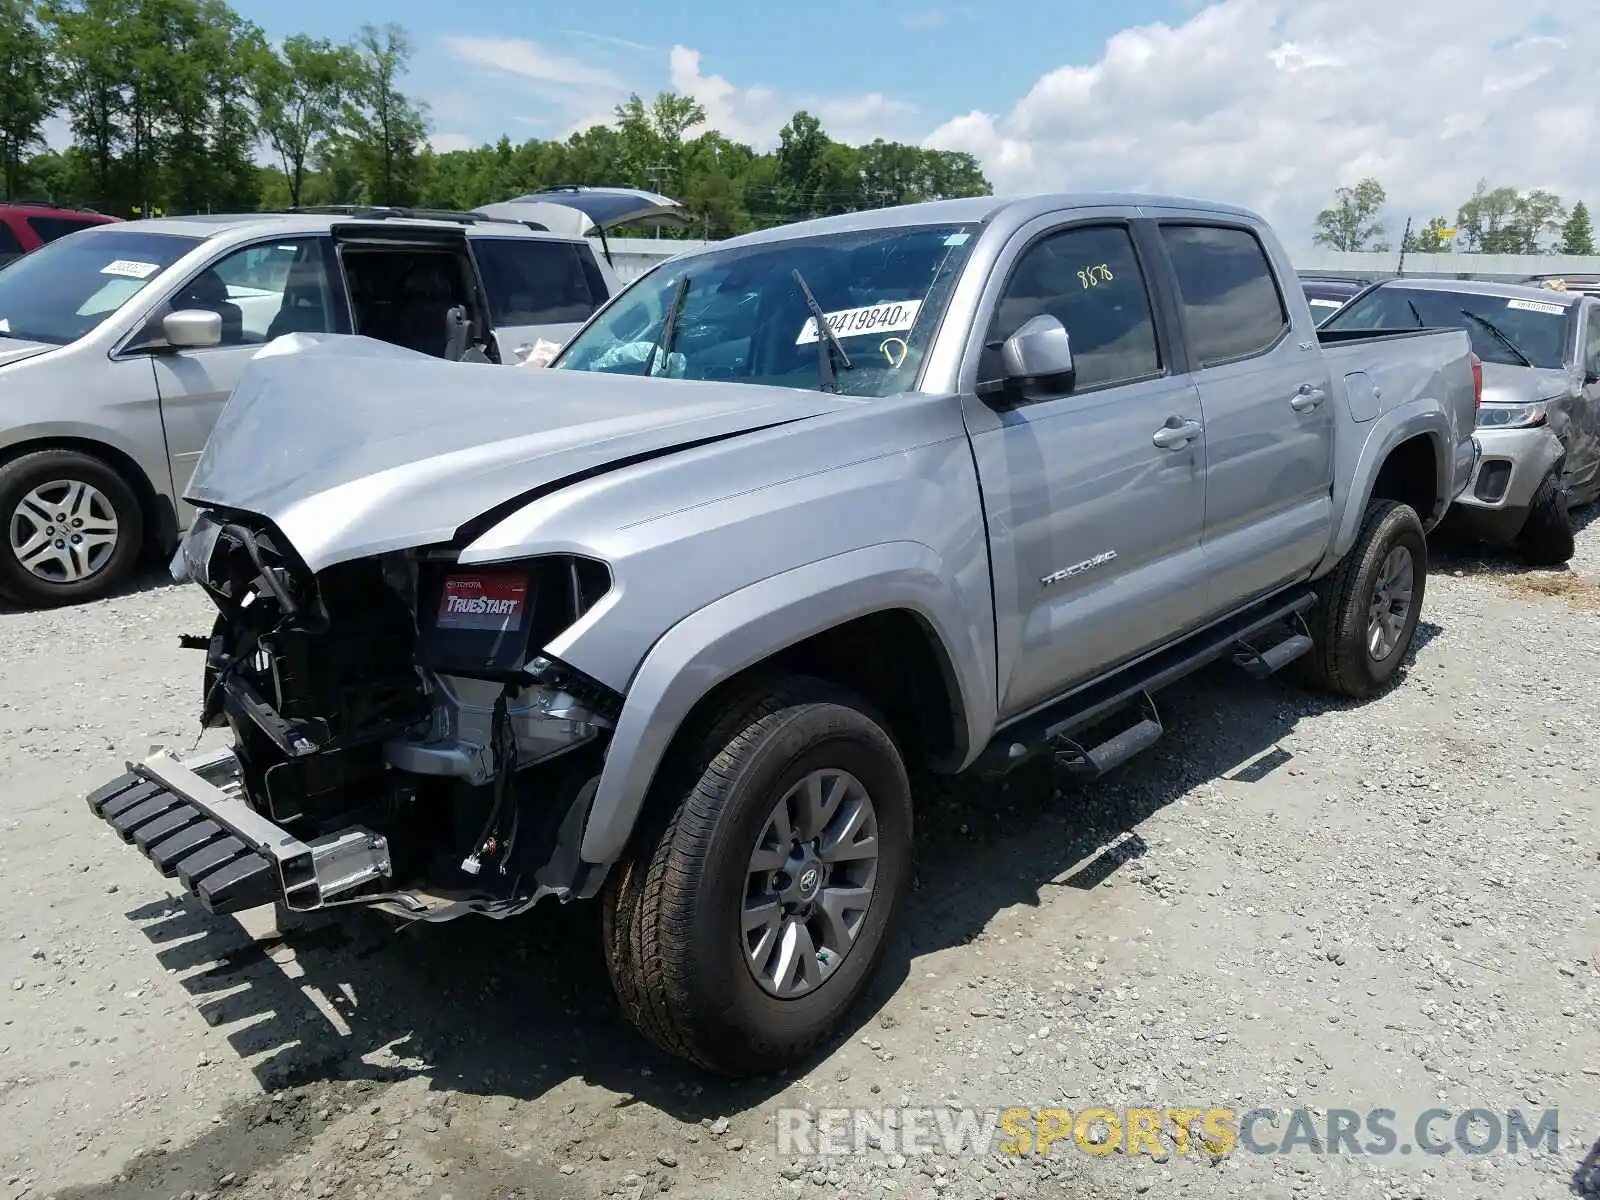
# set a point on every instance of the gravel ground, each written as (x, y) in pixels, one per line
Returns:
(1287, 903)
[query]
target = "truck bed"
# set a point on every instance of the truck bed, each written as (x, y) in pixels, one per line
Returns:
(1402, 365)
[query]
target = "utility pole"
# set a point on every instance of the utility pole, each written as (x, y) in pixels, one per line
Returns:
(1405, 241)
(656, 171)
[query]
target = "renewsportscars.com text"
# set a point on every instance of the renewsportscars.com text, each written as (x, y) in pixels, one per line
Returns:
(1214, 1131)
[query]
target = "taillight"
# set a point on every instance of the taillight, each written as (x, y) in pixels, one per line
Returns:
(1477, 380)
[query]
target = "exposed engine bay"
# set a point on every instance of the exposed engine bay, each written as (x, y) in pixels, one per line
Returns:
(404, 703)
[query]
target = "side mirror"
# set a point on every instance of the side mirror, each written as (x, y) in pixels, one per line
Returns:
(192, 328)
(1039, 352)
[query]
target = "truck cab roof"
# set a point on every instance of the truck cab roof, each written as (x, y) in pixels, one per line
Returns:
(983, 209)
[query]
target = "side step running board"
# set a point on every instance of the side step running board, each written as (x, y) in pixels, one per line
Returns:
(1052, 728)
(1116, 749)
(1259, 663)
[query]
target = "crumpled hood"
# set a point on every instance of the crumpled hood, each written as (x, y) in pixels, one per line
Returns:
(1506, 384)
(353, 447)
(16, 349)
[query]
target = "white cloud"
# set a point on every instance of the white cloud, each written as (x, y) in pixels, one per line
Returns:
(756, 114)
(572, 93)
(1275, 103)
(531, 61)
(933, 18)
(607, 39)
(444, 143)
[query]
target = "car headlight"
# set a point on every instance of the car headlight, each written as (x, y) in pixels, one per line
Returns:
(1512, 416)
(192, 560)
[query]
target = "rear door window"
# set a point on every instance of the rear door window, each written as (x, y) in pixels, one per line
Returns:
(1231, 303)
(51, 228)
(533, 281)
(9, 243)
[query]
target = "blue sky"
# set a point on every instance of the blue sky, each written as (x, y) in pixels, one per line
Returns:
(1273, 104)
(899, 48)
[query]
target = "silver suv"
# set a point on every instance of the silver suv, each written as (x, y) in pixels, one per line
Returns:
(119, 345)
(1539, 423)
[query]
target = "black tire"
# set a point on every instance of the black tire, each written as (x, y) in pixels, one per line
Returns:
(671, 907)
(40, 468)
(1341, 661)
(1546, 538)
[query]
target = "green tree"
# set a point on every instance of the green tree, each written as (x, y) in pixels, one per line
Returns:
(714, 172)
(384, 128)
(1535, 216)
(1485, 220)
(651, 139)
(1502, 220)
(169, 101)
(90, 51)
(814, 174)
(235, 115)
(1432, 238)
(27, 89)
(1577, 235)
(301, 90)
(1352, 223)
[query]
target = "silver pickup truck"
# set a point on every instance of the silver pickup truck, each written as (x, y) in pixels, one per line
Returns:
(790, 522)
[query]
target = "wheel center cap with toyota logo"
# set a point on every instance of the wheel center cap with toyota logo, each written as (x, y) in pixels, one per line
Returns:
(810, 880)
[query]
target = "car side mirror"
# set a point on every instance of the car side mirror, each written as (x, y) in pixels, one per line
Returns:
(192, 328)
(1040, 353)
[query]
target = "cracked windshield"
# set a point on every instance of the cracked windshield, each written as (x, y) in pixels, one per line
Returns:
(751, 315)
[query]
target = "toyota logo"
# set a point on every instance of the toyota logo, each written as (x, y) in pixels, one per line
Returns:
(808, 880)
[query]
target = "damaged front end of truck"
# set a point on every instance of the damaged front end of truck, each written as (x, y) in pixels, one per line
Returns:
(401, 735)
(399, 739)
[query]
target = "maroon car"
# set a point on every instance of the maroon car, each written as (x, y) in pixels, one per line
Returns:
(27, 226)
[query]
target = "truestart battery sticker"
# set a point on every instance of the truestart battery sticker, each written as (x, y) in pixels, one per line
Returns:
(486, 602)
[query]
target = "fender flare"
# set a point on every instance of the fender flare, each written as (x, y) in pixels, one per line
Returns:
(18, 439)
(749, 625)
(153, 484)
(1420, 417)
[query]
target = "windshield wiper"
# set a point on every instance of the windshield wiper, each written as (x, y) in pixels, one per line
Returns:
(1417, 313)
(828, 344)
(669, 330)
(1500, 335)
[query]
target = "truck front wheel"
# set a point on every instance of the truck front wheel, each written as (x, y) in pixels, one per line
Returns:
(1367, 608)
(752, 911)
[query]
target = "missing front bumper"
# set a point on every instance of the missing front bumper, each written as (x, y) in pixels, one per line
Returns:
(188, 819)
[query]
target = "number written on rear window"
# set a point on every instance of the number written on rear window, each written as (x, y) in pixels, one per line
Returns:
(1232, 307)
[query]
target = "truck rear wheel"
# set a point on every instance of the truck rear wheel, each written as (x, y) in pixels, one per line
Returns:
(1546, 538)
(747, 919)
(1367, 608)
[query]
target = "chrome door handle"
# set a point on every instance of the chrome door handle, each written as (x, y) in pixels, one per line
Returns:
(1307, 398)
(1176, 437)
